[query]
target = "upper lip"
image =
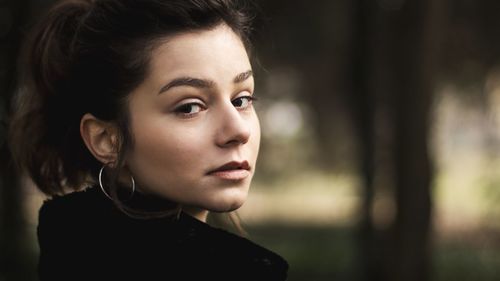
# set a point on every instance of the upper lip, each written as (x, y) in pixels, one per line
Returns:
(233, 165)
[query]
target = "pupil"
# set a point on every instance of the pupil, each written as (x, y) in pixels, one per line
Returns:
(186, 108)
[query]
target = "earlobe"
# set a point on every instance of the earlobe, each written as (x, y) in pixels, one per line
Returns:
(100, 137)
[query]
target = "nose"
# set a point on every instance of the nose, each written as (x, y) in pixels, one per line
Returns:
(234, 128)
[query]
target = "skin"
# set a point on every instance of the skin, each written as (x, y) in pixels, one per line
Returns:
(185, 128)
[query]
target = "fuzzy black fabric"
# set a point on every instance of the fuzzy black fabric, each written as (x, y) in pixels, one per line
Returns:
(83, 236)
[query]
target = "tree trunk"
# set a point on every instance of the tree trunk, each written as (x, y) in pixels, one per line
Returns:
(16, 258)
(412, 56)
(394, 65)
(364, 105)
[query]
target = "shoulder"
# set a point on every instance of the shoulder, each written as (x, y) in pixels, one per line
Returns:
(69, 199)
(70, 214)
(238, 254)
(253, 257)
(72, 205)
(66, 233)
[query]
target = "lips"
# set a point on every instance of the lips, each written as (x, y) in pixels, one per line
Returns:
(233, 165)
(233, 170)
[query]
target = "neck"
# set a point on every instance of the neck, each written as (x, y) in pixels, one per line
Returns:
(197, 213)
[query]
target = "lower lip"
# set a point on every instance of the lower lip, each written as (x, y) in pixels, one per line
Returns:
(234, 175)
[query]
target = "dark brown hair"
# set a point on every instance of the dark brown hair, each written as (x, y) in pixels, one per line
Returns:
(86, 56)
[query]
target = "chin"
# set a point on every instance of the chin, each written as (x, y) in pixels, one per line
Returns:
(235, 206)
(228, 205)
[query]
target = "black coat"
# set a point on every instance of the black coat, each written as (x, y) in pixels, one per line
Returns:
(83, 236)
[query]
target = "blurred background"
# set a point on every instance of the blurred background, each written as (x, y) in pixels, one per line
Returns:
(380, 156)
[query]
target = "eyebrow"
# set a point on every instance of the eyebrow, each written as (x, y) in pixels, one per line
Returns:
(202, 83)
(243, 76)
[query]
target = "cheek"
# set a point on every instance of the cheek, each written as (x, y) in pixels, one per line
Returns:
(163, 150)
(255, 138)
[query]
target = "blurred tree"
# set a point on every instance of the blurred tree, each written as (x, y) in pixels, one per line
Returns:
(412, 53)
(363, 102)
(394, 67)
(15, 252)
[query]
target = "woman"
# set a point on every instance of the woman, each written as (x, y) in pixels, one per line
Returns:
(136, 117)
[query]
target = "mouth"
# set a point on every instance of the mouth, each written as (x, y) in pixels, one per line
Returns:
(234, 170)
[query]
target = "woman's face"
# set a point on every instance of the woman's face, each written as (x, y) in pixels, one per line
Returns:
(196, 133)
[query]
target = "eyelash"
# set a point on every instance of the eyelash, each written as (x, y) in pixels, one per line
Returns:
(181, 109)
(250, 99)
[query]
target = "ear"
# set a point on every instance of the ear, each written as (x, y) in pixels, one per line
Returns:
(100, 137)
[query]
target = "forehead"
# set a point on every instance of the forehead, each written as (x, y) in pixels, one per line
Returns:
(200, 53)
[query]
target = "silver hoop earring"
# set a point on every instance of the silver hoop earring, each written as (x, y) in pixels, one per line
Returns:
(104, 191)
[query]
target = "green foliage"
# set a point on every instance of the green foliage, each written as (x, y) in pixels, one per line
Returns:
(456, 260)
(328, 253)
(314, 253)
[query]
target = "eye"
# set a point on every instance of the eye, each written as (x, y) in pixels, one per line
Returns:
(188, 109)
(244, 101)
